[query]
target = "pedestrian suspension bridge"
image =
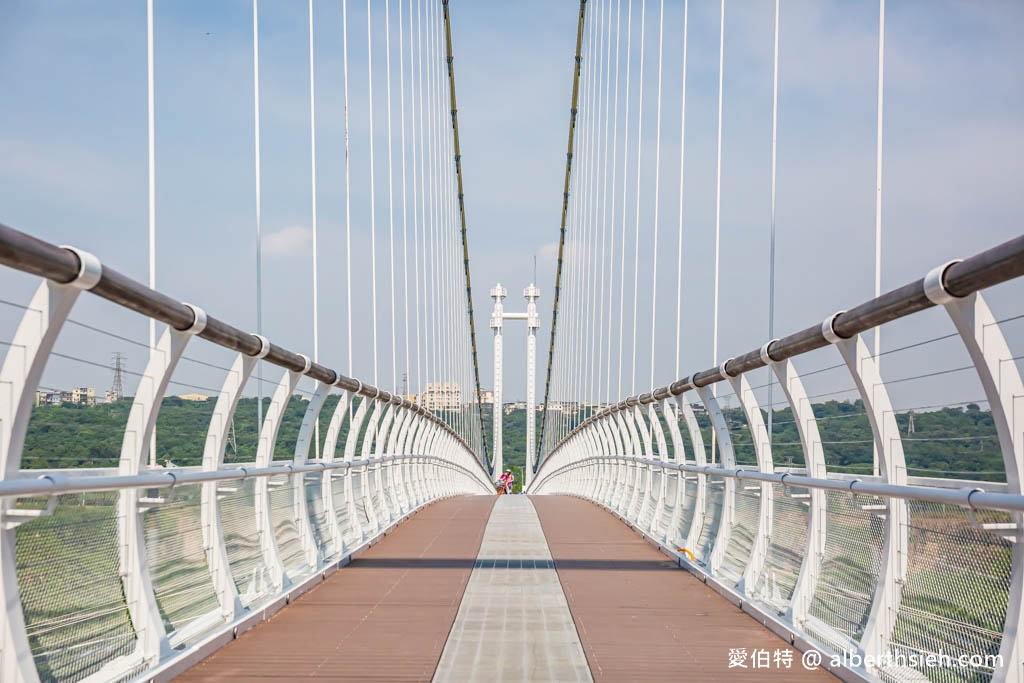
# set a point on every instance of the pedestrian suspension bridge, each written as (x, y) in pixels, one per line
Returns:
(702, 523)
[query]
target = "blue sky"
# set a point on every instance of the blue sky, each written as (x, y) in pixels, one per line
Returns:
(73, 164)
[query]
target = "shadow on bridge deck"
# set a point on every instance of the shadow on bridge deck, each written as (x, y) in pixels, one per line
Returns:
(384, 617)
(387, 616)
(642, 618)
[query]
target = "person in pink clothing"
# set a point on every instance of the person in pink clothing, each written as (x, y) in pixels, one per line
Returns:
(509, 480)
(503, 482)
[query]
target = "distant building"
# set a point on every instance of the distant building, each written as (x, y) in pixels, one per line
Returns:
(54, 397)
(199, 398)
(441, 396)
(111, 396)
(487, 397)
(699, 409)
(47, 398)
(84, 396)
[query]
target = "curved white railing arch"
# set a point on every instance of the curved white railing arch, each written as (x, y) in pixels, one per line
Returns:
(723, 519)
(267, 530)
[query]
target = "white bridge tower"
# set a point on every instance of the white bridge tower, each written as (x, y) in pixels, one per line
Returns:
(531, 294)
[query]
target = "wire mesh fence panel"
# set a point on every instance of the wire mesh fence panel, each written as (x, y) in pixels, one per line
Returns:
(669, 503)
(341, 507)
(638, 500)
(390, 492)
(317, 510)
(241, 540)
(786, 547)
(177, 561)
(689, 503)
(286, 529)
(712, 519)
(650, 493)
(744, 529)
(69, 573)
(849, 570)
(362, 514)
(955, 596)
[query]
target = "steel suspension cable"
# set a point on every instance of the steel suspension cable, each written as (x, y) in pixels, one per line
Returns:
(604, 203)
(406, 341)
(462, 217)
(417, 179)
(592, 76)
(718, 204)
(771, 235)
(565, 209)
(373, 194)
(592, 272)
(611, 199)
(151, 139)
(259, 192)
(625, 163)
(348, 190)
(391, 197)
(313, 193)
(878, 191)
(313, 207)
(639, 158)
(657, 188)
(682, 169)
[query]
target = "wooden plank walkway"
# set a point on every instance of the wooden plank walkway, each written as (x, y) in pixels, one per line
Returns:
(388, 615)
(384, 617)
(640, 617)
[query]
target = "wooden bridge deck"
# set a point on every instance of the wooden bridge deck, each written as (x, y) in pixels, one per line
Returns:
(388, 615)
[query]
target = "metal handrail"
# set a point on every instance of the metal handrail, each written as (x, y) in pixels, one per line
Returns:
(958, 279)
(53, 483)
(972, 498)
(29, 254)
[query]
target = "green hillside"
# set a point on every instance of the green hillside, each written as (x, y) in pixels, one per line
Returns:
(957, 441)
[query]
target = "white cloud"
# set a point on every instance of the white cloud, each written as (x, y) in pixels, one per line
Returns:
(287, 240)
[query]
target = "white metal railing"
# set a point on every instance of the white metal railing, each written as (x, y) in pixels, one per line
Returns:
(125, 573)
(885, 569)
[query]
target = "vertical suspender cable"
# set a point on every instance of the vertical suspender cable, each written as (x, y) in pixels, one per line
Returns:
(682, 169)
(601, 125)
(415, 37)
(259, 190)
(391, 197)
(625, 163)
(422, 132)
(771, 239)
(586, 218)
(312, 169)
(151, 129)
(348, 191)
(611, 228)
(604, 205)
(373, 196)
(406, 342)
(462, 216)
(878, 186)
(657, 188)
(718, 200)
(151, 139)
(565, 209)
(639, 157)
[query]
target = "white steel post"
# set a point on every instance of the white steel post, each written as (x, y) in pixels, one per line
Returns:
(498, 293)
(531, 294)
(19, 377)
